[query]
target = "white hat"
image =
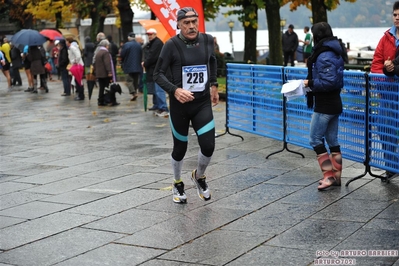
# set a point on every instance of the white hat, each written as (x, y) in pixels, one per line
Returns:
(152, 31)
(56, 42)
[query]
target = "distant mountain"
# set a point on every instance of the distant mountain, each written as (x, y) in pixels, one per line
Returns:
(362, 13)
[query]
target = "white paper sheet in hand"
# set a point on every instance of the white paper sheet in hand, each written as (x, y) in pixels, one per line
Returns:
(294, 89)
(291, 85)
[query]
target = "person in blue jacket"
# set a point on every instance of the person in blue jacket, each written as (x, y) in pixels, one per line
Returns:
(131, 55)
(325, 79)
(2, 60)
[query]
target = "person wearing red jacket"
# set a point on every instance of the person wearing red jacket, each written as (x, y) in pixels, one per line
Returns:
(386, 49)
(383, 63)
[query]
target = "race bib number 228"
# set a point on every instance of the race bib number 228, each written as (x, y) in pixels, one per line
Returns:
(195, 78)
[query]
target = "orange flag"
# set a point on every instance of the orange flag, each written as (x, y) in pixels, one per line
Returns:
(166, 12)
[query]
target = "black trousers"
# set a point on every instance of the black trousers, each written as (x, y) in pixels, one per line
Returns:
(199, 113)
(80, 90)
(289, 57)
(103, 83)
(15, 76)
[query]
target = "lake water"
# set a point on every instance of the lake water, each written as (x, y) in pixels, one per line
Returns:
(357, 37)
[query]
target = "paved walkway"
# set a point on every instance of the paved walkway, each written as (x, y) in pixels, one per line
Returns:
(87, 185)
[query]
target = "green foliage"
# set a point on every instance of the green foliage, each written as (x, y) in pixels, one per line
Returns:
(245, 10)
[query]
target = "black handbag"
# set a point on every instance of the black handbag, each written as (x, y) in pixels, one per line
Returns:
(115, 88)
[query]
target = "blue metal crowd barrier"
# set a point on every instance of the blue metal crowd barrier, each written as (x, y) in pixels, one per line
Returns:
(369, 124)
(254, 99)
(298, 114)
(352, 125)
(384, 122)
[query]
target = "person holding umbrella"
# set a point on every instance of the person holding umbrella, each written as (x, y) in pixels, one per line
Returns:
(103, 70)
(27, 38)
(77, 69)
(37, 58)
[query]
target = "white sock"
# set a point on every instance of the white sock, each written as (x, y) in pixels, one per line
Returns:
(177, 165)
(203, 162)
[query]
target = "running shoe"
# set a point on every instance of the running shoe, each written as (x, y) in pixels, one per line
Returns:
(161, 113)
(179, 196)
(202, 186)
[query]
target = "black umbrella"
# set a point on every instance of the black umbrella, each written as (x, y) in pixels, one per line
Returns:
(28, 37)
(91, 81)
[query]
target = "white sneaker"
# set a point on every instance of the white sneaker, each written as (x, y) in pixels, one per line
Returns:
(179, 196)
(202, 187)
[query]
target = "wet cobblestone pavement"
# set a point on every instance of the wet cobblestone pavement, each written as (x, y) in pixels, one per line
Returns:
(87, 185)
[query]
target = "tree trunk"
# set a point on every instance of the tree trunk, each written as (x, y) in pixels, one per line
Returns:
(275, 34)
(97, 15)
(28, 24)
(101, 24)
(126, 15)
(58, 21)
(319, 11)
(95, 21)
(250, 37)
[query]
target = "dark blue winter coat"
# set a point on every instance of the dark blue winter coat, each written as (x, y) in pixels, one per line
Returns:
(131, 56)
(328, 70)
(327, 79)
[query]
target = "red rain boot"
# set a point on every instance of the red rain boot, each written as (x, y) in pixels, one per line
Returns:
(336, 160)
(327, 169)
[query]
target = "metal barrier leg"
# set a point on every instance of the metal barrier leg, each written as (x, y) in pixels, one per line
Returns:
(285, 147)
(227, 130)
(368, 171)
(285, 144)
